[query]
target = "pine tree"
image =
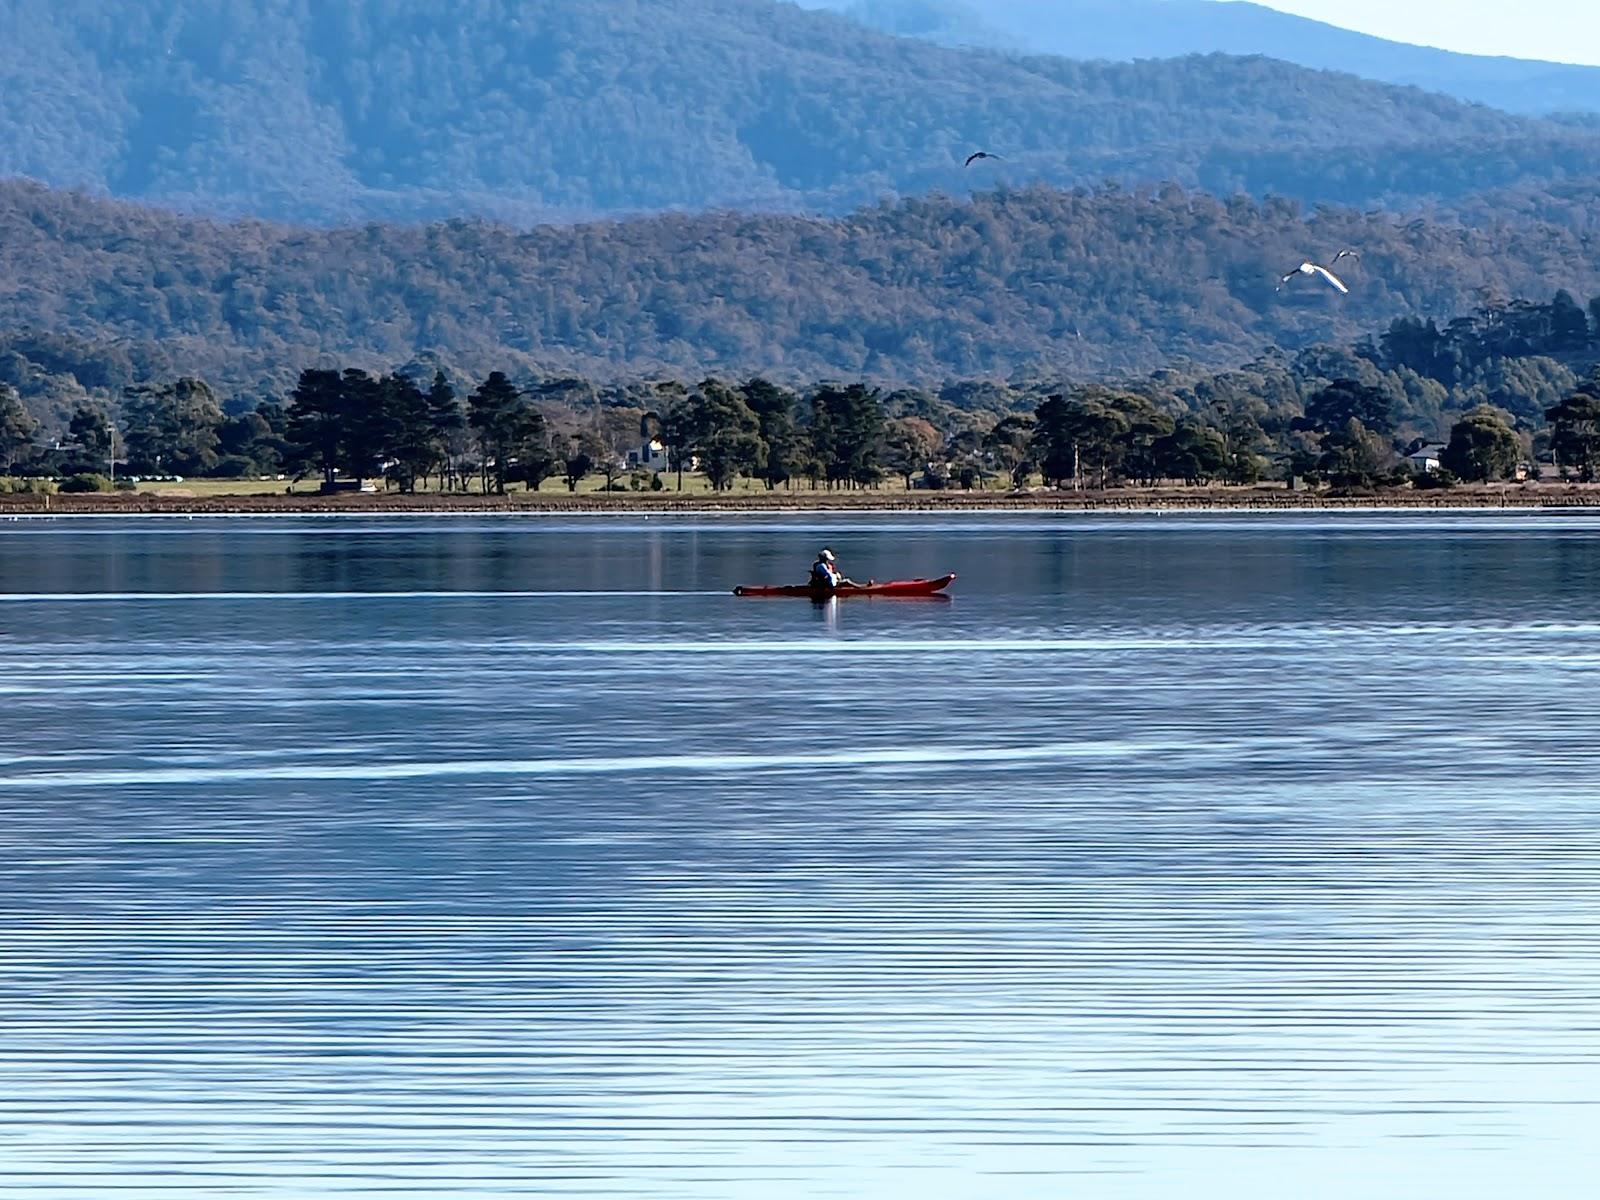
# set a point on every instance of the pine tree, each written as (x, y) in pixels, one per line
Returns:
(369, 427)
(775, 413)
(492, 414)
(412, 445)
(446, 422)
(316, 422)
(847, 433)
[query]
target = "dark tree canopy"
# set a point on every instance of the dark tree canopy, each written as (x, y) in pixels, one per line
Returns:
(17, 427)
(316, 421)
(1575, 425)
(172, 427)
(1354, 456)
(504, 422)
(846, 433)
(1482, 447)
(1346, 400)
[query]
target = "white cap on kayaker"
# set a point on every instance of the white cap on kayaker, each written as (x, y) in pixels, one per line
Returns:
(826, 555)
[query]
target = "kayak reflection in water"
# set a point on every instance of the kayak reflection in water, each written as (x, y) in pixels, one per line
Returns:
(825, 573)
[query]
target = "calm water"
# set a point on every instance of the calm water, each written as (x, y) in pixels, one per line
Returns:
(1222, 857)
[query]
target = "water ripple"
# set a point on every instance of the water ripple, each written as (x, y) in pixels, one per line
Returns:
(1179, 855)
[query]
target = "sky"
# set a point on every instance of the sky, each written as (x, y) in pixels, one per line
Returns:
(1558, 30)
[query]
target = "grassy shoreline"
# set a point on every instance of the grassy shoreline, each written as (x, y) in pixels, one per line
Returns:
(1519, 496)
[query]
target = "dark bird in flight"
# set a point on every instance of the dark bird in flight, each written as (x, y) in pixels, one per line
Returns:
(972, 158)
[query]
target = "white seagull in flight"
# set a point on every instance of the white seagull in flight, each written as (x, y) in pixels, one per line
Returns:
(1316, 269)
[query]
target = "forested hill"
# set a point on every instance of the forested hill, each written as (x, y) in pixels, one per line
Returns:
(532, 109)
(1084, 284)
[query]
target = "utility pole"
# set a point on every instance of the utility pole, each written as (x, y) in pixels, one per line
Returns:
(113, 427)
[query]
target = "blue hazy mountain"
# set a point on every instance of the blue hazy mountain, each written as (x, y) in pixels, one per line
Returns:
(530, 109)
(1123, 30)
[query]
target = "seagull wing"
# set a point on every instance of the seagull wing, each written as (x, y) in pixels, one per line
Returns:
(972, 158)
(1331, 278)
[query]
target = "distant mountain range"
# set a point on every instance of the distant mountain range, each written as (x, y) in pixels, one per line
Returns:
(1124, 30)
(548, 109)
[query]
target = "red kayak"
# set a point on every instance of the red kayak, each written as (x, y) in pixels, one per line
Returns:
(898, 587)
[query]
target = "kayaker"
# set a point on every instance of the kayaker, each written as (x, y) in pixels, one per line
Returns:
(825, 573)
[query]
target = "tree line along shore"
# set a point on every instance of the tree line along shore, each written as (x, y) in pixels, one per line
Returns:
(1509, 392)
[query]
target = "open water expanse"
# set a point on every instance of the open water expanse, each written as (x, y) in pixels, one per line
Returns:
(1202, 856)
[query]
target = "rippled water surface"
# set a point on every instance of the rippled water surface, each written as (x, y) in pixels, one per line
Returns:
(1214, 857)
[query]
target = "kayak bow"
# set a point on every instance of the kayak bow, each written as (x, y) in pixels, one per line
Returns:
(898, 587)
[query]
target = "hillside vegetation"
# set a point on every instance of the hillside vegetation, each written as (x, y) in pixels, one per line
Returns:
(1083, 284)
(533, 109)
